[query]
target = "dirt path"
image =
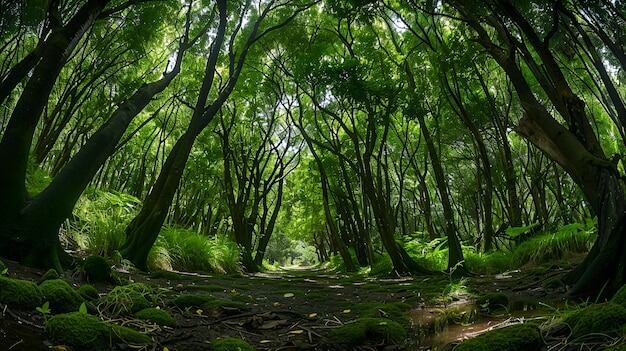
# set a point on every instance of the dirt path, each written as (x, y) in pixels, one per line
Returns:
(297, 309)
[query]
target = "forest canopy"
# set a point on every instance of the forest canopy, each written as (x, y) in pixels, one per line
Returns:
(400, 138)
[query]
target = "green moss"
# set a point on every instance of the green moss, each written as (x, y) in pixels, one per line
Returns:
(493, 301)
(2, 267)
(231, 344)
(61, 296)
(78, 330)
(519, 337)
(49, 275)
(394, 310)
(129, 336)
(370, 330)
(156, 315)
(19, 293)
(191, 300)
(617, 348)
(88, 292)
(620, 297)
(169, 275)
(126, 299)
(86, 332)
(598, 318)
(207, 288)
(97, 269)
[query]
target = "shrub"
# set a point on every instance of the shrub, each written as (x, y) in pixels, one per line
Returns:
(187, 250)
(100, 220)
(571, 238)
(61, 296)
(19, 293)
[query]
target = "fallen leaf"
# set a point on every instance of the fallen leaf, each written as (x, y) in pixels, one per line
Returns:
(297, 331)
(288, 295)
(347, 311)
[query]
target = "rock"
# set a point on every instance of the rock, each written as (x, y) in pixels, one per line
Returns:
(519, 337)
(368, 330)
(61, 296)
(97, 269)
(493, 301)
(17, 293)
(156, 315)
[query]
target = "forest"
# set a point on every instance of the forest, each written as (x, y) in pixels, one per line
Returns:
(237, 175)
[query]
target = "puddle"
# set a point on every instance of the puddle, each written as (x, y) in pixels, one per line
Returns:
(443, 325)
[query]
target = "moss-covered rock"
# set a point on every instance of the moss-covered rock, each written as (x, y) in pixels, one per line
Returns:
(61, 296)
(19, 293)
(231, 344)
(519, 337)
(86, 332)
(597, 318)
(126, 299)
(129, 336)
(97, 269)
(156, 315)
(368, 330)
(88, 292)
(493, 301)
(78, 330)
(49, 275)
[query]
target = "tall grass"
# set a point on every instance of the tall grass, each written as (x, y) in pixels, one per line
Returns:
(183, 249)
(99, 221)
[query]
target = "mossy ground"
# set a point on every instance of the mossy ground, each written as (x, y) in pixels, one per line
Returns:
(88, 292)
(519, 337)
(369, 330)
(597, 318)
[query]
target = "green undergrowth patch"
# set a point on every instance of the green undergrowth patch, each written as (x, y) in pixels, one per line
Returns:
(21, 294)
(126, 299)
(61, 296)
(373, 331)
(204, 287)
(187, 250)
(231, 344)
(519, 337)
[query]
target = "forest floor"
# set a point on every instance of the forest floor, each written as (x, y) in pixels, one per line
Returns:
(296, 309)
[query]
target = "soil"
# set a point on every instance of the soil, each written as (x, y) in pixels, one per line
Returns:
(296, 309)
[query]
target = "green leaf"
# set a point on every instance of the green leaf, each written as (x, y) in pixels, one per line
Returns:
(82, 309)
